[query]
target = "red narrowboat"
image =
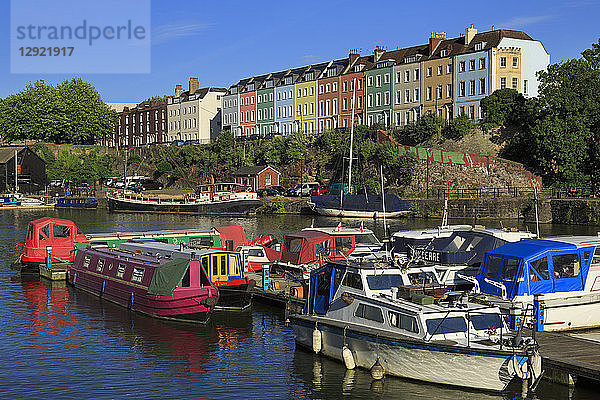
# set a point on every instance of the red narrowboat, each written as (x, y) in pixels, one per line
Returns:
(177, 289)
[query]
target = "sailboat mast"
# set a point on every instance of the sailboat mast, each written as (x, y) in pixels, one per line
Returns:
(16, 174)
(351, 134)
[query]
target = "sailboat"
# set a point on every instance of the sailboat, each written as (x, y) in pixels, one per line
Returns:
(348, 204)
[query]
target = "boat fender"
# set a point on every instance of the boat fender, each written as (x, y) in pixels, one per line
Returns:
(209, 301)
(103, 287)
(74, 278)
(317, 340)
(517, 368)
(131, 300)
(348, 358)
(377, 370)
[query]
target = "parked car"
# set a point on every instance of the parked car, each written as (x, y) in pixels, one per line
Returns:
(302, 189)
(319, 190)
(151, 184)
(339, 188)
(269, 191)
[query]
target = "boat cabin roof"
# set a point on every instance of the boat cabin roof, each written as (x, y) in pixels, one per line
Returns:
(333, 230)
(149, 246)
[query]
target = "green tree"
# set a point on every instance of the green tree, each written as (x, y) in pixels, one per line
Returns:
(458, 128)
(161, 99)
(71, 112)
(295, 147)
(421, 130)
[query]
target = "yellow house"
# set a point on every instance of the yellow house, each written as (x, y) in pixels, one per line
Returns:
(508, 68)
(306, 99)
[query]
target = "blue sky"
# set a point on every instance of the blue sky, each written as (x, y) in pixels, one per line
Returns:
(222, 42)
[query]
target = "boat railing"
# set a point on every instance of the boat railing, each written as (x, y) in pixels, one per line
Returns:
(499, 285)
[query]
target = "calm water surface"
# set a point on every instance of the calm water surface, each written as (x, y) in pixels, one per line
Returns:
(59, 343)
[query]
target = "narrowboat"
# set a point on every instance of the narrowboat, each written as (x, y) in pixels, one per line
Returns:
(223, 198)
(224, 269)
(174, 289)
(76, 202)
(452, 341)
(64, 237)
(558, 278)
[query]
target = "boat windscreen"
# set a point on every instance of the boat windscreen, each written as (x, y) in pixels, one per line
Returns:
(486, 321)
(366, 239)
(437, 326)
(384, 281)
(422, 277)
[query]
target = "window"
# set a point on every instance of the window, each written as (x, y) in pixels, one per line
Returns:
(510, 267)
(386, 78)
(515, 83)
(515, 62)
(461, 110)
(502, 83)
(440, 70)
(525, 86)
(371, 313)
(406, 76)
(449, 90)
(370, 100)
(334, 87)
(353, 280)
(429, 92)
(482, 86)
(538, 270)
(378, 81)
(471, 65)
(493, 266)
(438, 326)
(444, 53)
(86, 262)
(100, 265)
(345, 104)
(416, 74)
(429, 71)
(472, 87)
(472, 112)
(299, 93)
(387, 98)
(370, 81)
(120, 270)
(565, 265)
(321, 89)
(384, 281)
(486, 321)
(137, 275)
(502, 62)
(416, 98)
(439, 91)
(61, 231)
(482, 63)
(398, 320)
(312, 90)
(406, 95)
(461, 66)
(378, 99)
(449, 69)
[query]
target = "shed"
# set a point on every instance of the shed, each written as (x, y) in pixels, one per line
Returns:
(30, 170)
(258, 177)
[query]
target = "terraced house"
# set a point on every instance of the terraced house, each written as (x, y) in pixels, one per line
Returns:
(445, 76)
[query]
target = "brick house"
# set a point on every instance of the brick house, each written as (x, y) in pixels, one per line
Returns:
(258, 177)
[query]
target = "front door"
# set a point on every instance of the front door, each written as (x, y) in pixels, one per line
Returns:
(218, 266)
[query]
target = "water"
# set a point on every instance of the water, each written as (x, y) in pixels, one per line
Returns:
(60, 343)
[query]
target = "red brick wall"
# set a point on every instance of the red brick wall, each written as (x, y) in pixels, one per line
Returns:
(262, 178)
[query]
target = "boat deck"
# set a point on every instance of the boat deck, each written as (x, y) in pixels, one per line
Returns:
(578, 357)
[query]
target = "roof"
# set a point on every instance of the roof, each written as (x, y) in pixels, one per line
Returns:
(7, 153)
(531, 248)
(252, 170)
(201, 92)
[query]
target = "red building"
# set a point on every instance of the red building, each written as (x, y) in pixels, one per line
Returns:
(141, 125)
(354, 75)
(248, 108)
(328, 95)
(258, 177)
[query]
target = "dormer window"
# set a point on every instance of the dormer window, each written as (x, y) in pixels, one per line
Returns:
(410, 59)
(269, 84)
(310, 76)
(384, 64)
(288, 80)
(479, 46)
(331, 72)
(251, 87)
(234, 90)
(444, 53)
(359, 67)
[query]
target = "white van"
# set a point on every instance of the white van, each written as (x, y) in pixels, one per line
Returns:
(303, 189)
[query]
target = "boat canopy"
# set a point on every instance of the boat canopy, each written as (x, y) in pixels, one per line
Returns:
(303, 247)
(361, 202)
(60, 234)
(167, 277)
(462, 247)
(535, 266)
(324, 282)
(234, 233)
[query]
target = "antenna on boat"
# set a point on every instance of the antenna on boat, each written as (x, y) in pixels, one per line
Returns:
(387, 257)
(537, 220)
(445, 214)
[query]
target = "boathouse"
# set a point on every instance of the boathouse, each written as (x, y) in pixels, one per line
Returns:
(258, 177)
(30, 170)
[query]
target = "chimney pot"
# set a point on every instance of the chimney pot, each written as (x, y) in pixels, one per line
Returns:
(178, 90)
(194, 85)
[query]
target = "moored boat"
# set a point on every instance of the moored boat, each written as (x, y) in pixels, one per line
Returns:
(451, 342)
(223, 198)
(359, 205)
(559, 278)
(76, 202)
(176, 289)
(224, 269)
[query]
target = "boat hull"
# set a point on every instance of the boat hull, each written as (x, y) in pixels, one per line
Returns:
(234, 297)
(410, 359)
(194, 305)
(239, 206)
(334, 212)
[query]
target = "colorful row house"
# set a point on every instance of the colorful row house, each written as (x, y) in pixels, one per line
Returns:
(446, 76)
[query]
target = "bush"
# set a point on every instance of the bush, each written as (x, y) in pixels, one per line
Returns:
(457, 128)
(164, 166)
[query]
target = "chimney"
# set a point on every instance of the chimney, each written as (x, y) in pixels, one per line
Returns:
(178, 90)
(194, 85)
(493, 28)
(435, 39)
(170, 100)
(470, 34)
(378, 52)
(352, 56)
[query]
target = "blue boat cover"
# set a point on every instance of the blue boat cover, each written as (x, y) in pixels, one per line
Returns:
(535, 266)
(323, 284)
(361, 202)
